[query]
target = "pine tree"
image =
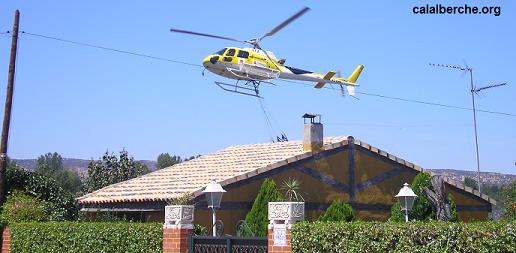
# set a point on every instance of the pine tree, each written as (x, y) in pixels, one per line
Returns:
(338, 211)
(257, 219)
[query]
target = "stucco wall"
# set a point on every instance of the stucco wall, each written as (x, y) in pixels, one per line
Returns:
(377, 179)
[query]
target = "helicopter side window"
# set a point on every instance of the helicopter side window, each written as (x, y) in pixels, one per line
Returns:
(243, 54)
(221, 52)
(230, 52)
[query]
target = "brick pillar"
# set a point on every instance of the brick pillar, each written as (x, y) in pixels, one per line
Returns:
(281, 216)
(6, 239)
(176, 240)
(280, 249)
(178, 228)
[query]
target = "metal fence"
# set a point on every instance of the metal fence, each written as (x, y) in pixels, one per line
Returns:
(228, 244)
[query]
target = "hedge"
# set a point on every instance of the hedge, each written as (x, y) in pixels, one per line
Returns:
(404, 237)
(88, 237)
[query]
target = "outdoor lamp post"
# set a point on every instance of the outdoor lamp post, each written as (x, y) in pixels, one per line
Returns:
(406, 197)
(213, 194)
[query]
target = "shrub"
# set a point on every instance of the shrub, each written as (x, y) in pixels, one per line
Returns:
(421, 210)
(22, 207)
(61, 204)
(338, 211)
(85, 237)
(428, 237)
(257, 219)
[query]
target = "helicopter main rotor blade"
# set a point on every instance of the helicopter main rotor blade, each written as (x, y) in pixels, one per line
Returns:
(206, 35)
(286, 22)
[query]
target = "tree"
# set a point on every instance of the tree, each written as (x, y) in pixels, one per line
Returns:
(69, 180)
(338, 211)
(165, 160)
(257, 219)
(49, 164)
(421, 210)
(111, 170)
(509, 200)
(470, 182)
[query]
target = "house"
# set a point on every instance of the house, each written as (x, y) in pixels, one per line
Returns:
(330, 168)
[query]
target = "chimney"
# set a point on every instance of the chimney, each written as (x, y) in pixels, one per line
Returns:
(312, 133)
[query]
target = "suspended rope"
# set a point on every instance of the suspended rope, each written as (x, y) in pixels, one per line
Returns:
(269, 121)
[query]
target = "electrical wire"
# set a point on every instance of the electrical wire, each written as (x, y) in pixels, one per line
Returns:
(413, 100)
(111, 49)
(288, 81)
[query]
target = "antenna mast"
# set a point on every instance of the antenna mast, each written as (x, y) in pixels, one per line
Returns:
(473, 91)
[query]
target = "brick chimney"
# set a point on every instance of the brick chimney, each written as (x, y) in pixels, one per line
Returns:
(312, 133)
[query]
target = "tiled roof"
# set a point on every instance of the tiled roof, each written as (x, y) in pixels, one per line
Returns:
(226, 166)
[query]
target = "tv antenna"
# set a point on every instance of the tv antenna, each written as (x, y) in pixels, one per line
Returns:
(474, 90)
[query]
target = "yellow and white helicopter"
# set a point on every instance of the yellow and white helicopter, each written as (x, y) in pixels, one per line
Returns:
(255, 65)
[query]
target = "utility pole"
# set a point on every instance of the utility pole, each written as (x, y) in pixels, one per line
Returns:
(473, 92)
(8, 106)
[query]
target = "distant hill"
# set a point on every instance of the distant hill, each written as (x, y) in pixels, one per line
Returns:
(72, 163)
(493, 178)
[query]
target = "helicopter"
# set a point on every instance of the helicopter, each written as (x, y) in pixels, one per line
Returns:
(254, 65)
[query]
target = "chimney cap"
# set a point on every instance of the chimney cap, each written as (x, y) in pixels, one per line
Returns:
(311, 117)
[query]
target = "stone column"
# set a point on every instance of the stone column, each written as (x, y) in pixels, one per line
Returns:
(178, 228)
(281, 216)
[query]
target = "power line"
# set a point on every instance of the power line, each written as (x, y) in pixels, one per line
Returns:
(412, 100)
(288, 81)
(111, 49)
(434, 104)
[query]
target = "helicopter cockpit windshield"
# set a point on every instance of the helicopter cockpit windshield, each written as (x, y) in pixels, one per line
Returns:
(221, 52)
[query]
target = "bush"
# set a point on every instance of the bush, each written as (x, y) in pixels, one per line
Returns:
(85, 237)
(421, 210)
(257, 219)
(22, 207)
(338, 211)
(427, 237)
(61, 204)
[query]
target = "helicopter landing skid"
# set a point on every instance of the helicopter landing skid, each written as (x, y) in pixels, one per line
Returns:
(249, 88)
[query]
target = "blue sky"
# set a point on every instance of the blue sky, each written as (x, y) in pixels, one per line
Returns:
(80, 101)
